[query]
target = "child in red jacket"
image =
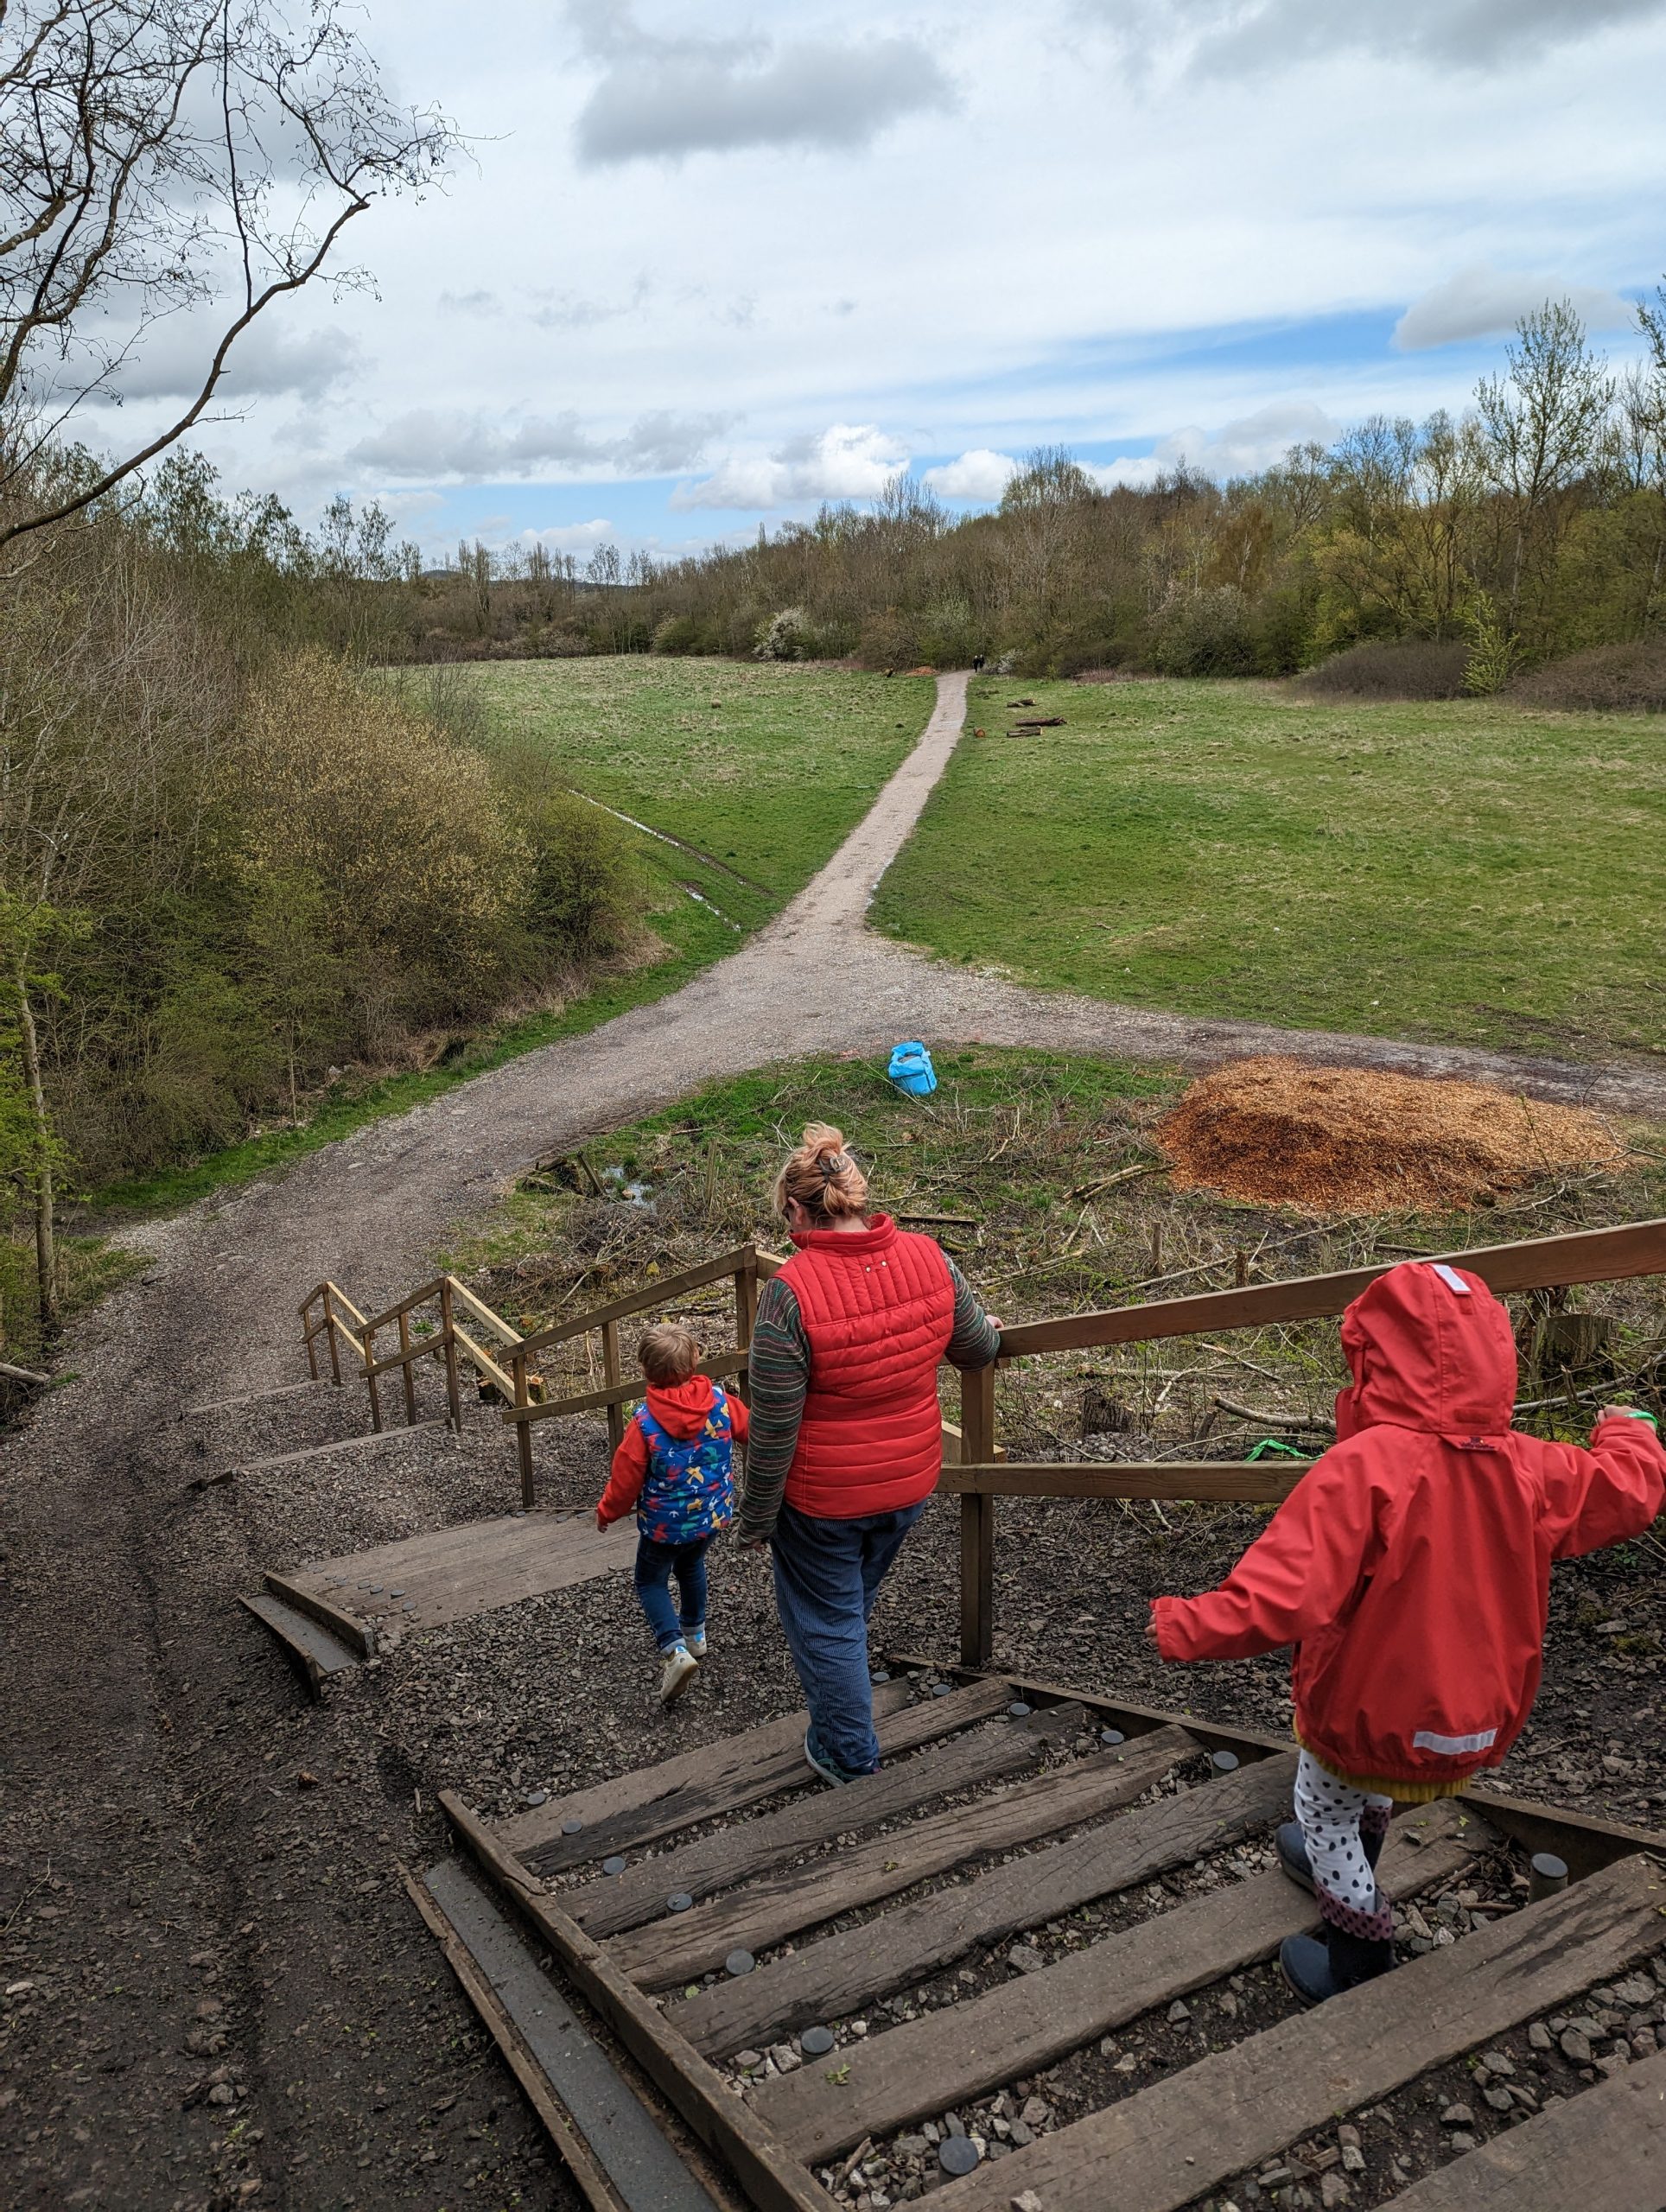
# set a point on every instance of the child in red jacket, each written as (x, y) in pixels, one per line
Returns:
(1410, 1567)
(675, 1465)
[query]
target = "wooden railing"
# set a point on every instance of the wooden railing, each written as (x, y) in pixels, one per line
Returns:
(976, 1467)
(1586, 1256)
(327, 1313)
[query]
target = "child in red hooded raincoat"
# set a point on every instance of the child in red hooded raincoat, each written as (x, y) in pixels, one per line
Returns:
(1410, 1567)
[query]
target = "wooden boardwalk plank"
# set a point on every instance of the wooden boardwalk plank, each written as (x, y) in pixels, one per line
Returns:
(530, 2018)
(767, 1911)
(931, 2064)
(1187, 2134)
(454, 1574)
(990, 1753)
(844, 1970)
(1604, 2151)
(640, 1807)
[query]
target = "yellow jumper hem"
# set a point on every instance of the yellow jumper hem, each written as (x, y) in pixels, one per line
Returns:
(1403, 1793)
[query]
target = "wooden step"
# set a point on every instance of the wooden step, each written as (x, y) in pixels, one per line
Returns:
(990, 1753)
(1604, 2151)
(1187, 2134)
(727, 1775)
(307, 1642)
(612, 2145)
(835, 1976)
(371, 1441)
(934, 2064)
(787, 1904)
(472, 1567)
(251, 1398)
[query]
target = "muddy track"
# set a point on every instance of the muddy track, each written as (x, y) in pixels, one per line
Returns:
(179, 1905)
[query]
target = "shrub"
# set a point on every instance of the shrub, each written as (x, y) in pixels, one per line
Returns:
(787, 635)
(1627, 678)
(1205, 633)
(1403, 667)
(677, 633)
(581, 899)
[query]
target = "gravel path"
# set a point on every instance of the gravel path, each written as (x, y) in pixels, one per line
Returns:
(173, 1909)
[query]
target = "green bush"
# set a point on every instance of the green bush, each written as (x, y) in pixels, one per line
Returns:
(1205, 633)
(583, 897)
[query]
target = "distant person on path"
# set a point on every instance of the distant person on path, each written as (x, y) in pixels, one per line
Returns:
(1410, 1566)
(846, 1437)
(675, 1467)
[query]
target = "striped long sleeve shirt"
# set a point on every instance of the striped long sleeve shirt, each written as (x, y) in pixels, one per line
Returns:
(778, 1367)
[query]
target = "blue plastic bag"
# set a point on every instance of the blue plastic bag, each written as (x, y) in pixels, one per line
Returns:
(911, 1070)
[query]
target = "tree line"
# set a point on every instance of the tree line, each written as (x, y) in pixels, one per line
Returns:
(1531, 526)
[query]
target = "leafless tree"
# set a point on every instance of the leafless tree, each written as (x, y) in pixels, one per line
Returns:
(171, 158)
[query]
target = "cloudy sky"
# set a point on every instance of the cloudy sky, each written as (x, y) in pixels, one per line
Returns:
(710, 264)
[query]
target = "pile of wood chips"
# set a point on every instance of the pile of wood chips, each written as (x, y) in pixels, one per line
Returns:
(1346, 1140)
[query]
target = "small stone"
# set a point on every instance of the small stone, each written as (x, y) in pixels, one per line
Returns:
(679, 1901)
(1036, 2113)
(1499, 2098)
(1461, 2139)
(1179, 2012)
(1457, 2116)
(739, 1962)
(1575, 2047)
(1499, 2063)
(784, 2058)
(815, 2042)
(1353, 2159)
(1616, 2061)
(1636, 1989)
(1021, 2136)
(1229, 2004)
(1539, 2036)
(1127, 2063)
(959, 2155)
(306, 1779)
(748, 2062)
(1644, 2044)
(1024, 1958)
(1333, 2190)
(1027, 2201)
(615, 1865)
(1348, 2136)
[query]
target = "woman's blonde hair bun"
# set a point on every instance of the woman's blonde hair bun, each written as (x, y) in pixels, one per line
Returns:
(822, 1176)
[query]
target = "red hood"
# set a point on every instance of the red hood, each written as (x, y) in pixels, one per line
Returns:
(1426, 1355)
(681, 1408)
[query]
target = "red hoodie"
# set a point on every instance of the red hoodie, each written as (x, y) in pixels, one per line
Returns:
(1410, 1566)
(681, 1410)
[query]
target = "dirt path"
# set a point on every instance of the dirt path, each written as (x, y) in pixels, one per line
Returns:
(172, 1907)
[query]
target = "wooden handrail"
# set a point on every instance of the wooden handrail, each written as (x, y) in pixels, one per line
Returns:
(643, 1301)
(618, 1394)
(482, 1311)
(1637, 1247)
(405, 1305)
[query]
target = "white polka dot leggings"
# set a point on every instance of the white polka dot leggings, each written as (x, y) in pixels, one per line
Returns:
(1335, 1818)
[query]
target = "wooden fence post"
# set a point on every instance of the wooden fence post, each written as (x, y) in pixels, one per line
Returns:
(329, 1331)
(407, 1372)
(745, 1314)
(614, 1373)
(448, 1334)
(976, 1520)
(371, 1382)
(524, 1430)
(312, 1340)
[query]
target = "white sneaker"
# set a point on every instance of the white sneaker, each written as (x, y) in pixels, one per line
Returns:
(696, 1640)
(680, 1668)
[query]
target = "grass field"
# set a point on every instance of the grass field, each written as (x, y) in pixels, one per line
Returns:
(765, 767)
(1457, 871)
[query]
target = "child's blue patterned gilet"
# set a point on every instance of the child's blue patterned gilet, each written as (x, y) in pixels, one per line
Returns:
(688, 1490)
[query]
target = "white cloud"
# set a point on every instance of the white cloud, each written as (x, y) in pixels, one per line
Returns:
(267, 360)
(979, 474)
(1239, 449)
(1481, 301)
(848, 460)
(436, 442)
(1224, 35)
(664, 97)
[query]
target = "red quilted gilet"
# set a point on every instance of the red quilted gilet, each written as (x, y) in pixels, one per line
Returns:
(877, 1308)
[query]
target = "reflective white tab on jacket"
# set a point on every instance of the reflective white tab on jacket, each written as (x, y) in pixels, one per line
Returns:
(1453, 1747)
(1452, 1279)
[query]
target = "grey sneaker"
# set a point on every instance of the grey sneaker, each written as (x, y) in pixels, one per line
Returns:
(696, 1640)
(680, 1668)
(829, 1769)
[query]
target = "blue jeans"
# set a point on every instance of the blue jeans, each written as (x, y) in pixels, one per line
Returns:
(827, 1575)
(655, 1566)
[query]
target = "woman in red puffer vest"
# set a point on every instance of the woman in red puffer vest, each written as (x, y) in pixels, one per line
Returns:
(846, 1437)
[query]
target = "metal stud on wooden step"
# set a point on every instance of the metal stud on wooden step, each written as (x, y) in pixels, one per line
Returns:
(815, 2042)
(959, 2155)
(739, 1962)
